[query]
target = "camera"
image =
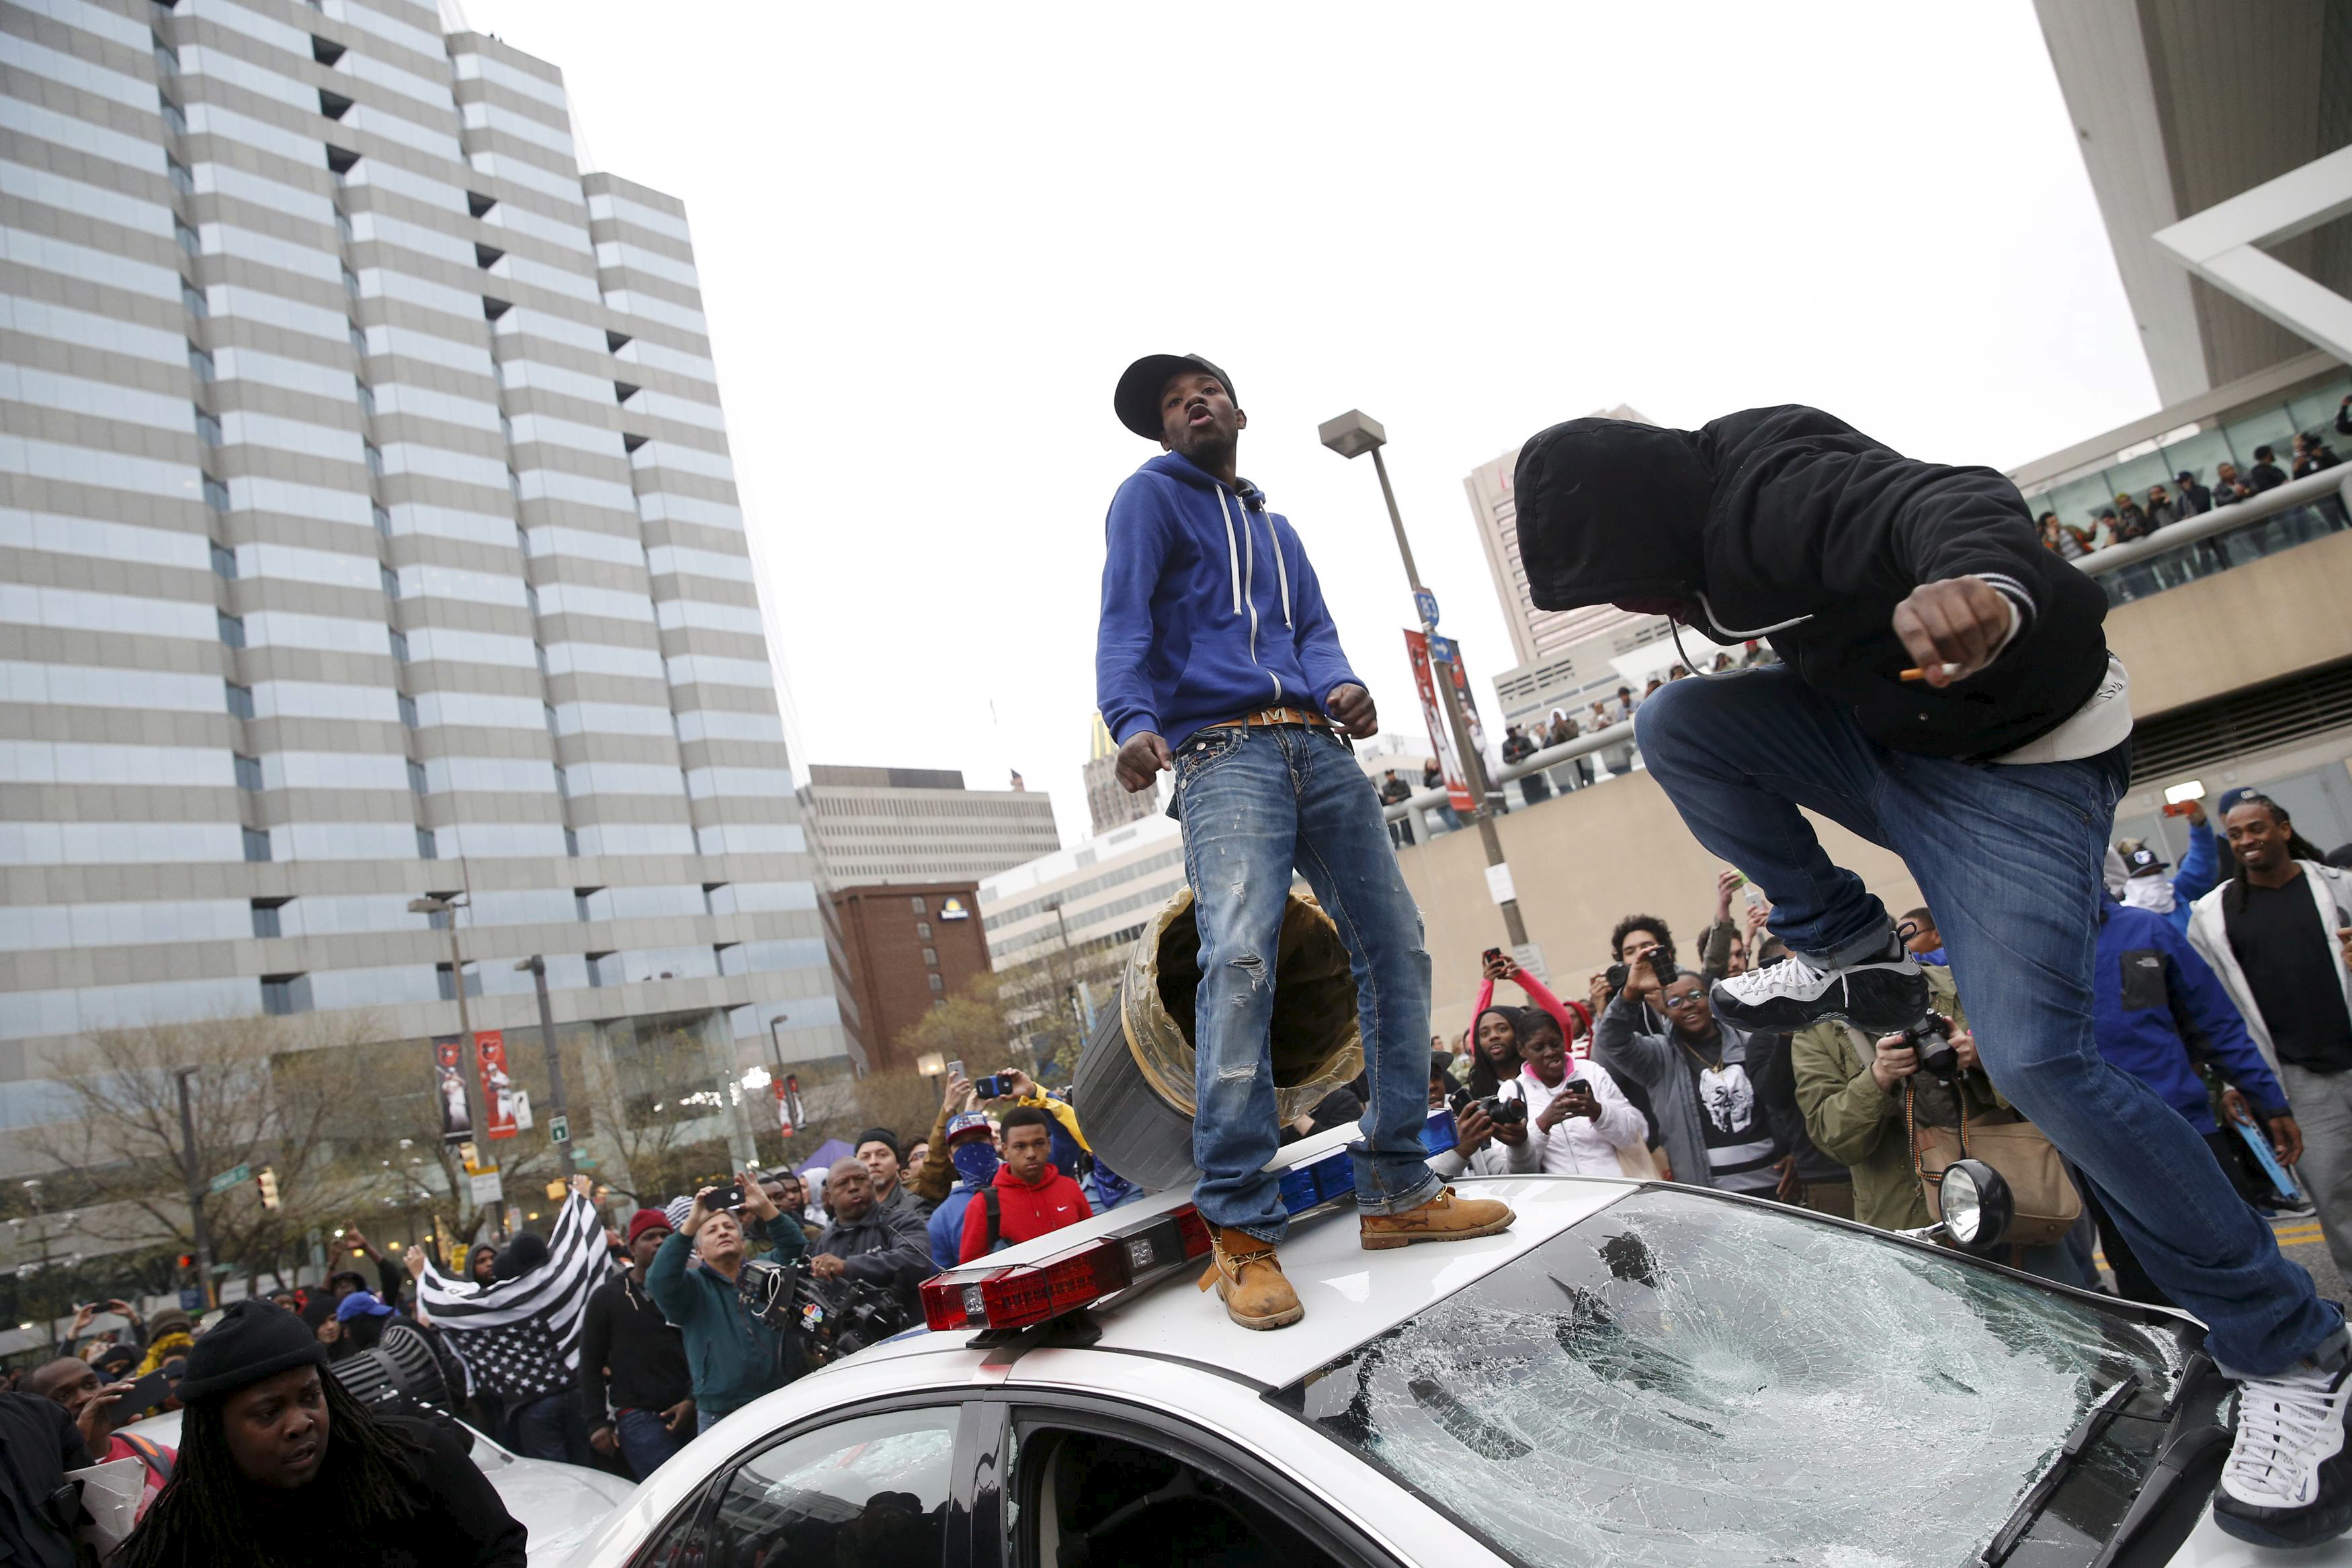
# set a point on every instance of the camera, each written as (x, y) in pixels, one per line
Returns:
(836, 1317)
(1659, 965)
(994, 1086)
(1502, 1112)
(1932, 1038)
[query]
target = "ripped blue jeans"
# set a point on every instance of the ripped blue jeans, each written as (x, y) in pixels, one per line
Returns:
(1257, 802)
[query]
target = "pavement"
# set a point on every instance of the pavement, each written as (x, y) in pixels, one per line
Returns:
(2298, 1237)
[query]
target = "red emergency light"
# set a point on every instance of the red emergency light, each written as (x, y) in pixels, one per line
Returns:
(1022, 1294)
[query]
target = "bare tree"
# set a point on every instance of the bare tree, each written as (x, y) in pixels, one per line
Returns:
(124, 1147)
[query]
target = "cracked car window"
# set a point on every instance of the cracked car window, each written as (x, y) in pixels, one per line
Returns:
(1683, 1380)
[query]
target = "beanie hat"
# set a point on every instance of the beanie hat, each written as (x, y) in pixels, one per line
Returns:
(646, 1219)
(253, 1340)
(361, 1304)
(524, 1253)
(884, 1136)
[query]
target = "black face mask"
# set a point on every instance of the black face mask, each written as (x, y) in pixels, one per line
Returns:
(1610, 510)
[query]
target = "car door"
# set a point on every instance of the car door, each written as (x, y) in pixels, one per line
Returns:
(870, 1486)
(1070, 1482)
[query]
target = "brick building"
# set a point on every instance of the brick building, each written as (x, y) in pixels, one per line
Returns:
(905, 947)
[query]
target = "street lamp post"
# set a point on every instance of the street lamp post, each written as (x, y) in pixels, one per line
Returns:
(536, 967)
(469, 1060)
(194, 1175)
(1352, 434)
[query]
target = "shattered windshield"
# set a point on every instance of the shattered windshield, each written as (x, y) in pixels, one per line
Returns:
(1681, 1380)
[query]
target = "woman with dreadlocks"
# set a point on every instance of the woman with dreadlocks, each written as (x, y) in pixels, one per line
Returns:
(279, 1467)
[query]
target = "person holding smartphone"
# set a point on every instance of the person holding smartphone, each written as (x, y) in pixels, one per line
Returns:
(1697, 1070)
(1578, 1124)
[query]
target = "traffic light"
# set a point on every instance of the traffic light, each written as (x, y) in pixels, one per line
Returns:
(268, 1189)
(187, 1261)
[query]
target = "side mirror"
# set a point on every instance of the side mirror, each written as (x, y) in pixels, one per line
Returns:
(1977, 1205)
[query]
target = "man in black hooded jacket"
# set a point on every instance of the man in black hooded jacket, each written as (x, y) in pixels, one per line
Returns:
(1947, 692)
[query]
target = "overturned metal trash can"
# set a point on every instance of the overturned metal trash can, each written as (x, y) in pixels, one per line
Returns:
(1134, 1082)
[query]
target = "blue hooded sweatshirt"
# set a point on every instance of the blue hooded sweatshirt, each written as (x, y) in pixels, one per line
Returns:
(1210, 609)
(2153, 999)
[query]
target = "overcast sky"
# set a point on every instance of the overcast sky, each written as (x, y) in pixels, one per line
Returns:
(930, 237)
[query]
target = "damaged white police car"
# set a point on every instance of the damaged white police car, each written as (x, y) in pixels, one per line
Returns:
(1632, 1374)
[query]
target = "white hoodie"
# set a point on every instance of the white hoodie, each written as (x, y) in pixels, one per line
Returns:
(2209, 932)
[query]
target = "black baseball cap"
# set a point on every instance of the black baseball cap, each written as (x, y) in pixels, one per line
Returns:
(2143, 862)
(1136, 401)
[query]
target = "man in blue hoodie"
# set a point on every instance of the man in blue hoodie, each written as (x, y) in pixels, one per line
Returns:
(2155, 1009)
(1217, 659)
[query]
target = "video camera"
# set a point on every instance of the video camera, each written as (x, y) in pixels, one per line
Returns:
(1501, 1111)
(838, 1317)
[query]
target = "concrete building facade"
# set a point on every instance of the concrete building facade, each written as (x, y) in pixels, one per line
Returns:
(370, 532)
(1108, 804)
(875, 825)
(907, 946)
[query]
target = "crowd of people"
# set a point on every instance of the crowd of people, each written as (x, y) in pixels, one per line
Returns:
(1522, 741)
(2138, 517)
(613, 1340)
(2223, 983)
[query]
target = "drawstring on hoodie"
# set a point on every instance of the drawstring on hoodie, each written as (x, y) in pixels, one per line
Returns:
(1717, 630)
(1243, 570)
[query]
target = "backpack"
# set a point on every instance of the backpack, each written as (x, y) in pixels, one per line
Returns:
(994, 1206)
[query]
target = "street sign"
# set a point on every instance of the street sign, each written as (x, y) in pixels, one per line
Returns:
(559, 1129)
(230, 1178)
(1441, 650)
(1426, 602)
(585, 1162)
(485, 1188)
(191, 1300)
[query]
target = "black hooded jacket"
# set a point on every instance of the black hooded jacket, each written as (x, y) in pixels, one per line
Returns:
(1788, 523)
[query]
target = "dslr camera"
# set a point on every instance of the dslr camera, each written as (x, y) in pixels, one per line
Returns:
(835, 1317)
(1501, 1111)
(1932, 1038)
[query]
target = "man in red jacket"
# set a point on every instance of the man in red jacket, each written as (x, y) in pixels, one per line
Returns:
(1029, 1196)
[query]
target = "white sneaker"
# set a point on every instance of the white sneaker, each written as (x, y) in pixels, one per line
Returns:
(1878, 995)
(2287, 1482)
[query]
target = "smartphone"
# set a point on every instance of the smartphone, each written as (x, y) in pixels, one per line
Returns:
(1754, 894)
(1490, 954)
(1662, 966)
(955, 1069)
(146, 1395)
(1738, 878)
(2179, 808)
(728, 1197)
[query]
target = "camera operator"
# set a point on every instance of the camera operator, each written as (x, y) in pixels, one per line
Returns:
(1852, 1089)
(734, 1357)
(1027, 1197)
(869, 1243)
(1694, 1069)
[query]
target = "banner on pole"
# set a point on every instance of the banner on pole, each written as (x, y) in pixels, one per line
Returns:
(497, 1086)
(449, 1088)
(1441, 733)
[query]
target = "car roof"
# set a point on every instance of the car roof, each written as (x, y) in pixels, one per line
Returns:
(1350, 1294)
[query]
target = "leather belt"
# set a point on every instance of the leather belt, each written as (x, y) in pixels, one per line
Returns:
(1273, 715)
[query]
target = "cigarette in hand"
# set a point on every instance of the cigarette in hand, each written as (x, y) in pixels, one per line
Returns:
(1921, 675)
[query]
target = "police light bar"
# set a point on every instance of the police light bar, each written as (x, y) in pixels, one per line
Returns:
(1026, 1293)
(1020, 1295)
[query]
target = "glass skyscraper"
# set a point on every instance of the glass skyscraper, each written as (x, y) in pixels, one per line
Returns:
(370, 533)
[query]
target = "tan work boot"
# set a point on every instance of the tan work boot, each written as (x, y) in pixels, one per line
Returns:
(1249, 1277)
(1445, 1218)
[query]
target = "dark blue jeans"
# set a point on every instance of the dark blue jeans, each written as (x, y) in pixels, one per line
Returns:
(549, 1427)
(2008, 858)
(645, 1441)
(1257, 802)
